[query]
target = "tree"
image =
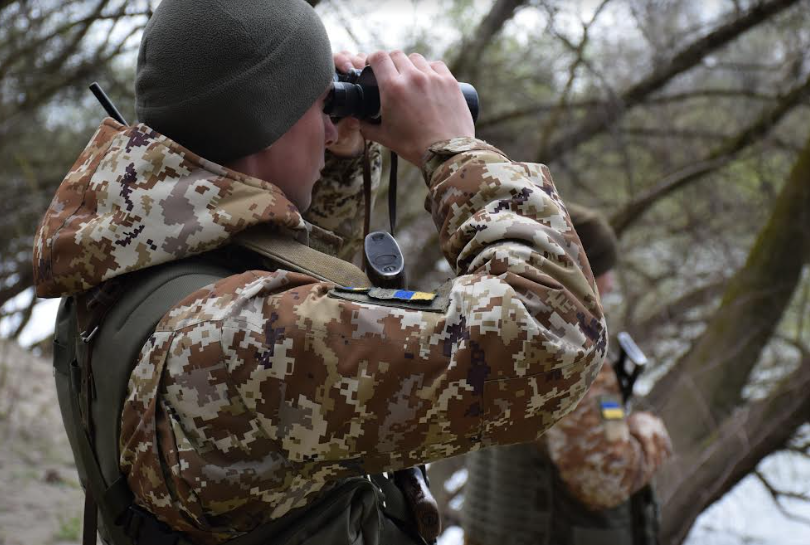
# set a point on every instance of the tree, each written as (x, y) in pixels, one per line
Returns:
(718, 435)
(49, 52)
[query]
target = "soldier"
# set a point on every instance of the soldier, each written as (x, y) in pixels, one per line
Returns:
(586, 481)
(271, 380)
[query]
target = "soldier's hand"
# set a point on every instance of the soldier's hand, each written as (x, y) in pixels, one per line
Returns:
(653, 436)
(350, 142)
(420, 104)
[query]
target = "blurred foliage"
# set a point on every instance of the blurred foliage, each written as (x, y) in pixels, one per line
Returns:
(49, 52)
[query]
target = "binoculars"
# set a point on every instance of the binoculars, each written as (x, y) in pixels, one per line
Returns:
(355, 94)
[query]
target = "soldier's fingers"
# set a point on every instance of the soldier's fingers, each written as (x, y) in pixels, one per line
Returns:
(420, 62)
(402, 62)
(346, 60)
(358, 60)
(441, 68)
(343, 61)
(383, 66)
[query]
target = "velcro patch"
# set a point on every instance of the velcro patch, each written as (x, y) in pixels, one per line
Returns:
(349, 289)
(407, 299)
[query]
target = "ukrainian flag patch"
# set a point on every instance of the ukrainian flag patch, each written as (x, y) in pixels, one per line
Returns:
(611, 409)
(423, 301)
(401, 295)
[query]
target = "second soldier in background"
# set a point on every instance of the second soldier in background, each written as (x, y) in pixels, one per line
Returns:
(586, 482)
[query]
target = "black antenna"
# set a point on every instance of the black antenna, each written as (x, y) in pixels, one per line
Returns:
(111, 110)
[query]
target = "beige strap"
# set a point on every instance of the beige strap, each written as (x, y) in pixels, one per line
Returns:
(298, 257)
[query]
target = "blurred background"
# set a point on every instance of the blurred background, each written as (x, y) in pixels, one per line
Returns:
(685, 122)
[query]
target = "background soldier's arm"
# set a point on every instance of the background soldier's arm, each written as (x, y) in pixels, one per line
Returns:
(602, 455)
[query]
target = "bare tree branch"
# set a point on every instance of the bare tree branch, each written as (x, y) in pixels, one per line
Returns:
(645, 326)
(698, 477)
(673, 98)
(69, 78)
(804, 312)
(467, 63)
(717, 159)
(24, 280)
(777, 494)
(15, 55)
(655, 132)
(25, 317)
(550, 125)
(685, 59)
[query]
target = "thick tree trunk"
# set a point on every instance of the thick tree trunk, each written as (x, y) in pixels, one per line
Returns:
(706, 384)
(701, 476)
(700, 398)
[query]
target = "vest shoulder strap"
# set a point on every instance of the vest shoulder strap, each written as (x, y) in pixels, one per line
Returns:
(295, 256)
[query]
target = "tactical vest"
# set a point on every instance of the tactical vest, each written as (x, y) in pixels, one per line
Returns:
(96, 343)
(515, 496)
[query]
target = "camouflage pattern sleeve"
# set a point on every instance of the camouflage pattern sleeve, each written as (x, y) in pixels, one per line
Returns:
(602, 456)
(259, 391)
(337, 199)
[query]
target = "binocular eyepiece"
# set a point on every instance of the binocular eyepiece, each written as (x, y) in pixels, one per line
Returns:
(356, 94)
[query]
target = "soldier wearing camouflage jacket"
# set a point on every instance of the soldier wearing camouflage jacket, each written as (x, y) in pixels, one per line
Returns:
(256, 394)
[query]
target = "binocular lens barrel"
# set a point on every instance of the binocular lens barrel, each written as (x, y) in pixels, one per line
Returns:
(356, 94)
(353, 100)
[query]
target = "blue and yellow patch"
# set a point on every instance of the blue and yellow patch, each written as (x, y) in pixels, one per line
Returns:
(391, 295)
(407, 299)
(400, 295)
(611, 409)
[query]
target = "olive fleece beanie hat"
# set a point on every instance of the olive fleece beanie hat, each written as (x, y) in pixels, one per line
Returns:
(597, 238)
(226, 78)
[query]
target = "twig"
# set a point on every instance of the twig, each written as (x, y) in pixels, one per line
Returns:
(715, 160)
(683, 60)
(777, 494)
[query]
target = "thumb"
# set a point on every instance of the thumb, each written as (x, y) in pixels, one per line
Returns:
(371, 131)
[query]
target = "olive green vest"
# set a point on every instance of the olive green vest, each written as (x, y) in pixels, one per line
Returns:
(515, 496)
(94, 354)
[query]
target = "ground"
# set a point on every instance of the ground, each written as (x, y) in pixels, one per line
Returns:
(41, 501)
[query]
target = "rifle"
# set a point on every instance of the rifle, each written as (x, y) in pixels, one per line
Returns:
(644, 503)
(629, 353)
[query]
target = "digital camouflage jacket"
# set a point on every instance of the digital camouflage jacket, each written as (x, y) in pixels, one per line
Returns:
(258, 392)
(604, 456)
